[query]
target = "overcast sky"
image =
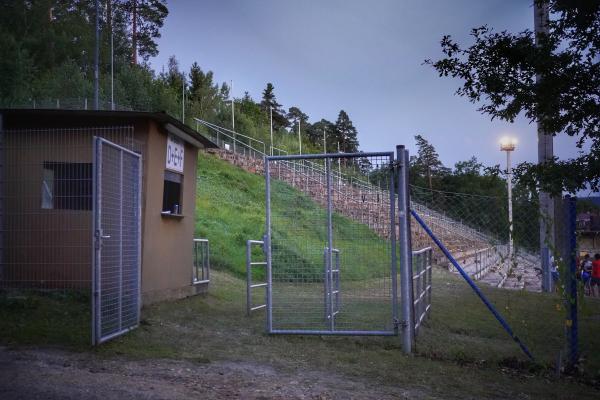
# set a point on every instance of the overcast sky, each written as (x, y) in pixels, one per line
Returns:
(365, 57)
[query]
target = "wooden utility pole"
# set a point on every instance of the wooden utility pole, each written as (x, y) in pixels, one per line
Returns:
(545, 154)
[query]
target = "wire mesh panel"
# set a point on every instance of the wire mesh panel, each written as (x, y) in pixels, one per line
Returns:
(201, 270)
(117, 240)
(331, 237)
(46, 206)
(422, 275)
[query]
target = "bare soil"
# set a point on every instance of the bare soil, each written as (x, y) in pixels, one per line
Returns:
(56, 374)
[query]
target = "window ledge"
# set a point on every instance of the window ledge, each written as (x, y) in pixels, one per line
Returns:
(171, 215)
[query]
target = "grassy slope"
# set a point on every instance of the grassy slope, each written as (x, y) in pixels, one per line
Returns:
(231, 209)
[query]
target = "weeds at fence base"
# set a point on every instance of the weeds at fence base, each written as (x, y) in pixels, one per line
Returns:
(45, 317)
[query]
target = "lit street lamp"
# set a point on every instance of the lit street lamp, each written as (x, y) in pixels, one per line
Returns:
(508, 145)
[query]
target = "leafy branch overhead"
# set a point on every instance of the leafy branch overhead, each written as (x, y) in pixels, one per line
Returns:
(498, 73)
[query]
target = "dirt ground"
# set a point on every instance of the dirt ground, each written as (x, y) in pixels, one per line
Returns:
(54, 374)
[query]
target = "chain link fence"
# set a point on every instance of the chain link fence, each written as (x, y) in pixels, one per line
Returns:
(506, 265)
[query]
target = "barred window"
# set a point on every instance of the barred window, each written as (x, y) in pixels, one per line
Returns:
(67, 186)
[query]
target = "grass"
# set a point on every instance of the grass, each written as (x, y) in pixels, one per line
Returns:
(45, 318)
(214, 328)
(461, 351)
(231, 209)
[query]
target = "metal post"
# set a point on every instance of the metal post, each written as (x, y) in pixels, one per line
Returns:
(570, 215)
(96, 58)
(271, 116)
(324, 142)
(407, 319)
(510, 211)
(299, 138)
(182, 98)
(248, 277)
(112, 62)
(268, 247)
(545, 153)
(394, 269)
(232, 116)
(329, 239)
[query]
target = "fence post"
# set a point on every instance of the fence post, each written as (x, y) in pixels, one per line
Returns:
(267, 245)
(570, 248)
(407, 322)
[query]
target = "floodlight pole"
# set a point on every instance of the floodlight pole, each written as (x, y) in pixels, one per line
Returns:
(324, 142)
(509, 147)
(545, 154)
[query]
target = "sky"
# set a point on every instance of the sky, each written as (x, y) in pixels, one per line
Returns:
(365, 57)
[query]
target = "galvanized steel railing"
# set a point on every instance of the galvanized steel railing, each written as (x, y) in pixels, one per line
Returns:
(249, 283)
(201, 270)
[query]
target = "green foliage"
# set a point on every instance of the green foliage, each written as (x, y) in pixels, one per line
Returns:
(552, 78)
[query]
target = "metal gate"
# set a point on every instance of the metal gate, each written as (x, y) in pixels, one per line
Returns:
(117, 240)
(331, 244)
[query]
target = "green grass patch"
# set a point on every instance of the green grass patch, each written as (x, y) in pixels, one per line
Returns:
(231, 209)
(45, 318)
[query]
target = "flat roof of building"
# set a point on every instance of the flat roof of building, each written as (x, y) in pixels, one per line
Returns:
(13, 116)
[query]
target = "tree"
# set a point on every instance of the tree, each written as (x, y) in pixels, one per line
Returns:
(147, 17)
(427, 162)
(469, 167)
(498, 72)
(204, 94)
(269, 104)
(316, 131)
(345, 133)
(294, 116)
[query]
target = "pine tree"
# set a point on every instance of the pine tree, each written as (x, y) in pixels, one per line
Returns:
(345, 133)
(203, 92)
(427, 161)
(269, 104)
(146, 18)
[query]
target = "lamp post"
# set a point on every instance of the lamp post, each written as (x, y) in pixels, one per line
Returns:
(508, 145)
(299, 138)
(271, 124)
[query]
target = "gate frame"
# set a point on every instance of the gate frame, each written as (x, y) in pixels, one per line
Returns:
(394, 260)
(98, 142)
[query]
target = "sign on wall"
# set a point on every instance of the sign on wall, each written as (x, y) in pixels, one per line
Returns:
(174, 154)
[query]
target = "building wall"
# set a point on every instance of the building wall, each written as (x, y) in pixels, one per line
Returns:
(44, 248)
(167, 245)
(53, 248)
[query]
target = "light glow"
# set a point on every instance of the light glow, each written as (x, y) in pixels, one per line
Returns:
(508, 143)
